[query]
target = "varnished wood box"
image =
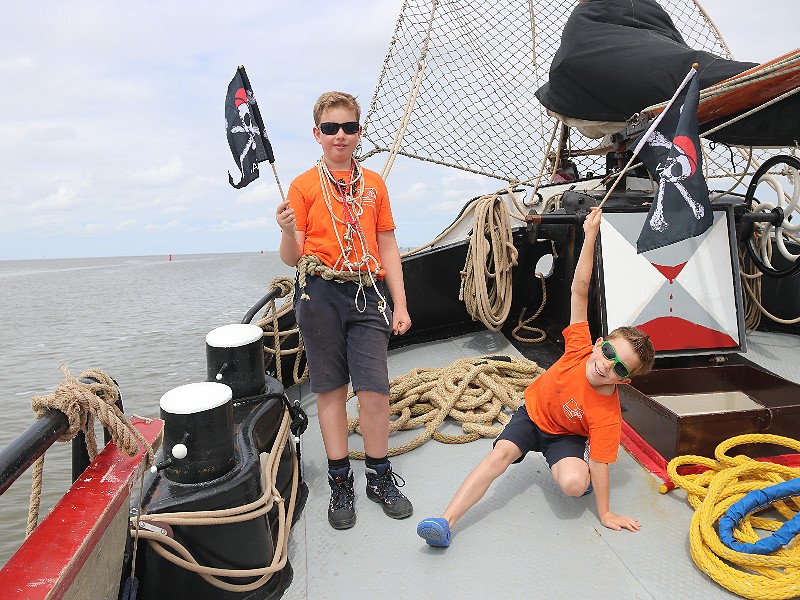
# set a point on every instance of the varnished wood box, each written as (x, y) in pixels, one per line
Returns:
(691, 410)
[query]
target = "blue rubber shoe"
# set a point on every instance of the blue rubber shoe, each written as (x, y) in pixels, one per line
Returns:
(589, 490)
(435, 531)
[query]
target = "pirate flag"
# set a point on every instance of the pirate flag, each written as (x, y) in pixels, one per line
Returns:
(671, 152)
(245, 129)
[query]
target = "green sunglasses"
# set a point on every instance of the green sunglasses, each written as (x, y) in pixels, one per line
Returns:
(610, 353)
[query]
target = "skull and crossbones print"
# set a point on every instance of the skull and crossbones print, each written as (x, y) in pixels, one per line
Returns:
(675, 169)
(247, 126)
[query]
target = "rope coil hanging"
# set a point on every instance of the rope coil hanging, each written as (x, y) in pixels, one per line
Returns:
(712, 492)
(474, 391)
(81, 403)
(486, 282)
(272, 331)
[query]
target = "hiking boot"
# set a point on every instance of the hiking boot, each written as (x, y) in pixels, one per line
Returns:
(341, 510)
(382, 486)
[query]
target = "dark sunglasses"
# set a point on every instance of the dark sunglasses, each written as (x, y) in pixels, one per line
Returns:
(610, 353)
(330, 128)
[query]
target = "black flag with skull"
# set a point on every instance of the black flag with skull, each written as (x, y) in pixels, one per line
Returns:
(245, 129)
(672, 153)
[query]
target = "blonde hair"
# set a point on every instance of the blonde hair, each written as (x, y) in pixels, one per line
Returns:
(641, 344)
(335, 100)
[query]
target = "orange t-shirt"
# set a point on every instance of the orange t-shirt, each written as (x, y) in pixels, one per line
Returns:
(314, 219)
(561, 401)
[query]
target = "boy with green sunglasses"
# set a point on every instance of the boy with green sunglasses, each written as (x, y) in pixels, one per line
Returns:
(571, 413)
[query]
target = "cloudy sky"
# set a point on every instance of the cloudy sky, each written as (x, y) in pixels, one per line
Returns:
(111, 117)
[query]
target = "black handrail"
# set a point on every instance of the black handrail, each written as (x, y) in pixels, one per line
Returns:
(271, 295)
(23, 451)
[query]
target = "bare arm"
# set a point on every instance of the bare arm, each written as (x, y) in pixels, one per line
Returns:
(390, 261)
(583, 270)
(601, 485)
(291, 248)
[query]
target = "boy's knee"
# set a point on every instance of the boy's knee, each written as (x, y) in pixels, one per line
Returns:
(501, 456)
(573, 483)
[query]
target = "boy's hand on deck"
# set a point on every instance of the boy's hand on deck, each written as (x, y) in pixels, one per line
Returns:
(617, 522)
(591, 223)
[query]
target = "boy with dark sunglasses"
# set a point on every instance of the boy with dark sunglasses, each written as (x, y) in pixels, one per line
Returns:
(571, 413)
(337, 229)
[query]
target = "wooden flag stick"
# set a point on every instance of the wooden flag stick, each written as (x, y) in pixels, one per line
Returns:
(278, 181)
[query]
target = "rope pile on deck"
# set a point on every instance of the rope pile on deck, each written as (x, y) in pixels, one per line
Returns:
(712, 492)
(474, 391)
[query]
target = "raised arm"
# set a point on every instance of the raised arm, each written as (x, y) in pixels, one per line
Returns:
(583, 270)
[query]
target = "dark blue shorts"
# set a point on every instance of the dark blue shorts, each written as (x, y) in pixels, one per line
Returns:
(527, 436)
(342, 344)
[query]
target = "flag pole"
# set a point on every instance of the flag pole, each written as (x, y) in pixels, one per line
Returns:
(650, 131)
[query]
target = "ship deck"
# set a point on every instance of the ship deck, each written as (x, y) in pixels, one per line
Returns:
(524, 539)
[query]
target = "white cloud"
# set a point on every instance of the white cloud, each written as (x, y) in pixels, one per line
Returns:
(166, 174)
(64, 197)
(263, 223)
(16, 63)
(170, 226)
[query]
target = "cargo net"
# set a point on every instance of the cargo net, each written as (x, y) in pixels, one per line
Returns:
(472, 69)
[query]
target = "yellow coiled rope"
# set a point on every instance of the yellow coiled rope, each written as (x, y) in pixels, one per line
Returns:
(711, 493)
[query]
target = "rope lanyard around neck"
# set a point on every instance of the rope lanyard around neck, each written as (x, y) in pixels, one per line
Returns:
(348, 266)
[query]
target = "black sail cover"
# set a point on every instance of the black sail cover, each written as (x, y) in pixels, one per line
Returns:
(617, 57)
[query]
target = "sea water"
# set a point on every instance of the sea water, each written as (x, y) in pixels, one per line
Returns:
(142, 320)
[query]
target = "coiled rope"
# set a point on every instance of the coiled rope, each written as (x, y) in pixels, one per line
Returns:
(522, 332)
(474, 391)
(486, 282)
(711, 493)
(269, 324)
(176, 553)
(81, 403)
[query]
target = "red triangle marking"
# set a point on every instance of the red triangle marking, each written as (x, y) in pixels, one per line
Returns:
(674, 333)
(670, 272)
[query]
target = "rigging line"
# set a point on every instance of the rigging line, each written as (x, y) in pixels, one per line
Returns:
(713, 26)
(412, 96)
(544, 161)
(752, 111)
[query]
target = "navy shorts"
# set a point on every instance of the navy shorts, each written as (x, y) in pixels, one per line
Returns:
(527, 436)
(342, 344)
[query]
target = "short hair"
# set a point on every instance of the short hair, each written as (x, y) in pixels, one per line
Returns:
(335, 100)
(641, 344)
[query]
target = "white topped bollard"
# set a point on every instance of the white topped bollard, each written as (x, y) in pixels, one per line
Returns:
(235, 357)
(198, 432)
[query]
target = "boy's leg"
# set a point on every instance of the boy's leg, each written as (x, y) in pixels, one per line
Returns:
(382, 482)
(478, 481)
(373, 415)
(333, 425)
(332, 412)
(436, 531)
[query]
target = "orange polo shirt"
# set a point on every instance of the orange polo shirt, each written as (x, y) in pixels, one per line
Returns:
(561, 401)
(314, 219)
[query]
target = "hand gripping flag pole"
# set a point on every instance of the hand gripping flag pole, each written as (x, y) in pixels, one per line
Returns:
(650, 131)
(247, 136)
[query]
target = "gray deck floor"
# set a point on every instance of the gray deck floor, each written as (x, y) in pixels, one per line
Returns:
(525, 539)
